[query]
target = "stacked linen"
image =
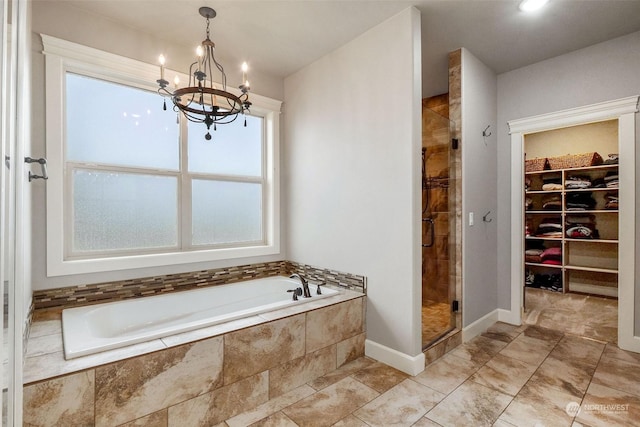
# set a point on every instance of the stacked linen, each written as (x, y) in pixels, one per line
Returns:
(580, 201)
(611, 160)
(611, 179)
(551, 184)
(533, 255)
(552, 256)
(550, 227)
(581, 227)
(577, 182)
(598, 183)
(552, 202)
(611, 201)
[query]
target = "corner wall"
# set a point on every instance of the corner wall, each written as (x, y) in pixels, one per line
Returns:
(479, 193)
(352, 172)
(602, 72)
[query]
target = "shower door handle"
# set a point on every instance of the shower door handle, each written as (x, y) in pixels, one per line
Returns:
(432, 232)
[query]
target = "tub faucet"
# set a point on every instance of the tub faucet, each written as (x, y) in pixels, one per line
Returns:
(305, 284)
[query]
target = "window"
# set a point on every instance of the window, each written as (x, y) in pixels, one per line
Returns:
(132, 185)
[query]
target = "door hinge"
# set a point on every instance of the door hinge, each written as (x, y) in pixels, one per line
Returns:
(455, 306)
(454, 143)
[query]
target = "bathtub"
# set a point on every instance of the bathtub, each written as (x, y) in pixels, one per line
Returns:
(96, 328)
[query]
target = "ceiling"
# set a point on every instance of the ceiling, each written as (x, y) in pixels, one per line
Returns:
(279, 37)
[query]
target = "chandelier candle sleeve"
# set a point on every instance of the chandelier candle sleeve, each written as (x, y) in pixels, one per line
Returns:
(162, 60)
(245, 68)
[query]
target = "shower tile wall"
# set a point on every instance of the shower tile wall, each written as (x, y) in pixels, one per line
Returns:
(435, 138)
(455, 115)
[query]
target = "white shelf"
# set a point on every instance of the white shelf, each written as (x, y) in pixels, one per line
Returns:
(544, 238)
(592, 269)
(612, 241)
(544, 212)
(597, 259)
(535, 264)
(586, 168)
(589, 190)
(595, 290)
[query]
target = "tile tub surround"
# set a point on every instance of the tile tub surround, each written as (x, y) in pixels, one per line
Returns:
(74, 296)
(201, 377)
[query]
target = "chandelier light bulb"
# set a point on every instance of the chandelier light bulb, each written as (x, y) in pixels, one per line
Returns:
(162, 60)
(531, 5)
(199, 51)
(176, 81)
(245, 68)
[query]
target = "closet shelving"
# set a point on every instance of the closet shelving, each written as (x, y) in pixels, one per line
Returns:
(588, 265)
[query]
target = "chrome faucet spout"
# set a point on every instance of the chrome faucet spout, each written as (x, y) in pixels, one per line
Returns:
(305, 284)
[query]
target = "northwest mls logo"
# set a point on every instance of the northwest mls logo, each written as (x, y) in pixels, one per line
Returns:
(572, 409)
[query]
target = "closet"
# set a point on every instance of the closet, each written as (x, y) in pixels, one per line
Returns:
(571, 209)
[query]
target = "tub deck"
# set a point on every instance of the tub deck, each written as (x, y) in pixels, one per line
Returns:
(45, 355)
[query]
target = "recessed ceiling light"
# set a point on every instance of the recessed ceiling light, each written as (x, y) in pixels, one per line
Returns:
(531, 5)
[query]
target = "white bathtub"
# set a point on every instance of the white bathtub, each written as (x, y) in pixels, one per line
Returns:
(92, 329)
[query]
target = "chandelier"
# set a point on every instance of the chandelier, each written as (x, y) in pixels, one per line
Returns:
(201, 101)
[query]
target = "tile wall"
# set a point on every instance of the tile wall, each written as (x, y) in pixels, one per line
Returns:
(207, 381)
(135, 288)
(455, 115)
(435, 199)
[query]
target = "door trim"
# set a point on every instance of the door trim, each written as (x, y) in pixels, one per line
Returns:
(624, 111)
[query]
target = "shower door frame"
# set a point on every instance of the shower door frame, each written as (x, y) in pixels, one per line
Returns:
(451, 223)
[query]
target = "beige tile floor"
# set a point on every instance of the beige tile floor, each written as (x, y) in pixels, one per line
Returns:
(584, 315)
(509, 376)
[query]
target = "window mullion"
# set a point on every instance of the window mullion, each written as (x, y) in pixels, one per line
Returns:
(185, 186)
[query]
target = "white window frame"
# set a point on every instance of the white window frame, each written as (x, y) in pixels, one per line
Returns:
(61, 57)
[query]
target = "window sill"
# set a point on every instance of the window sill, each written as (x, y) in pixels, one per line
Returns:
(130, 262)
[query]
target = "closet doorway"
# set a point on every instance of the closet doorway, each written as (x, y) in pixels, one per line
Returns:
(438, 225)
(582, 264)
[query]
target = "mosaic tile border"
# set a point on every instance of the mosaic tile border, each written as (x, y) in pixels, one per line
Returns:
(75, 296)
(329, 277)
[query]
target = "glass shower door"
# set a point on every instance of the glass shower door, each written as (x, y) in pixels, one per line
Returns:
(438, 228)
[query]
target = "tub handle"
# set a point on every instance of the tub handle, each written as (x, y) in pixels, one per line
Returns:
(296, 293)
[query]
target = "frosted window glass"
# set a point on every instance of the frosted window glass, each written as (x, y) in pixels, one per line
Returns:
(123, 211)
(120, 125)
(226, 212)
(232, 150)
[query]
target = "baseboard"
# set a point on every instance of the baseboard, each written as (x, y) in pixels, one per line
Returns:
(508, 316)
(479, 326)
(628, 342)
(411, 365)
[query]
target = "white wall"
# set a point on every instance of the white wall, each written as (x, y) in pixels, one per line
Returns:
(602, 72)
(479, 182)
(352, 147)
(59, 19)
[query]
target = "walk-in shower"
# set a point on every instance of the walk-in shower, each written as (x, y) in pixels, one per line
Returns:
(438, 228)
